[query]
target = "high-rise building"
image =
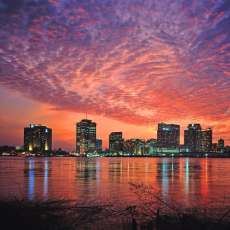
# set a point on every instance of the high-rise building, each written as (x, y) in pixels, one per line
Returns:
(98, 145)
(115, 142)
(214, 147)
(192, 137)
(85, 137)
(220, 145)
(198, 139)
(206, 140)
(37, 138)
(168, 135)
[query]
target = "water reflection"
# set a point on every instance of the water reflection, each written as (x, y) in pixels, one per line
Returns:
(98, 169)
(31, 180)
(46, 178)
(204, 179)
(86, 170)
(172, 169)
(165, 179)
(188, 181)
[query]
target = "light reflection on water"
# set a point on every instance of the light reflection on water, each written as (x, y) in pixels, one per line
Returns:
(46, 177)
(188, 181)
(31, 180)
(165, 178)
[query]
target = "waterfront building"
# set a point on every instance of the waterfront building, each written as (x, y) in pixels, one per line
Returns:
(192, 137)
(85, 137)
(134, 146)
(198, 139)
(129, 146)
(37, 138)
(214, 147)
(150, 146)
(220, 145)
(206, 140)
(98, 145)
(168, 135)
(152, 142)
(139, 147)
(116, 142)
(183, 149)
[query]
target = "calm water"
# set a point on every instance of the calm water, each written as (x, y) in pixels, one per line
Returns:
(188, 182)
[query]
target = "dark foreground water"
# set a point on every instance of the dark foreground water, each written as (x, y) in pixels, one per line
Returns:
(188, 182)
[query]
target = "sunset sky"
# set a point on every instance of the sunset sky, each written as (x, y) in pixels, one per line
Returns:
(128, 64)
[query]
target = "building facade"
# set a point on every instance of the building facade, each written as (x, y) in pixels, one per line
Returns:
(150, 146)
(198, 139)
(98, 145)
(192, 137)
(85, 137)
(37, 138)
(206, 140)
(135, 146)
(116, 142)
(168, 135)
(220, 145)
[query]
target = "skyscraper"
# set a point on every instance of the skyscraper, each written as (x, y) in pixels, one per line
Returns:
(115, 142)
(37, 138)
(85, 137)
(206, 140)
(98, 145)
(220, 145)
(192, 137)
(168, 135)
(198, 139)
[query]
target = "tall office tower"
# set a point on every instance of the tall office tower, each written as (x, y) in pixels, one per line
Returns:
(206, 140)
(198, 139)
(220, 145)
(98, 145)
(192, 137)
(168, 135)
(37, 138)
(115, 142)
(85, 137)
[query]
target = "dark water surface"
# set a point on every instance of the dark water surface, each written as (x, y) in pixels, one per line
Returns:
(188, 182)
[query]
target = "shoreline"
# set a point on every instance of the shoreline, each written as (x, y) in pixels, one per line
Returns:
(120, 156)
(60, 214)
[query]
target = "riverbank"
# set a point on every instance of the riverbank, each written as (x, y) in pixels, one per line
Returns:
(191, 155)
(60, 215)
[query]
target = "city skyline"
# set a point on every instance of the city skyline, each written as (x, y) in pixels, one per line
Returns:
(38, 136)
(128, 64)
(146, 132)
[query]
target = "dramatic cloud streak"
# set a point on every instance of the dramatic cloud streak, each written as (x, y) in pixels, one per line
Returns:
(136, 61)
